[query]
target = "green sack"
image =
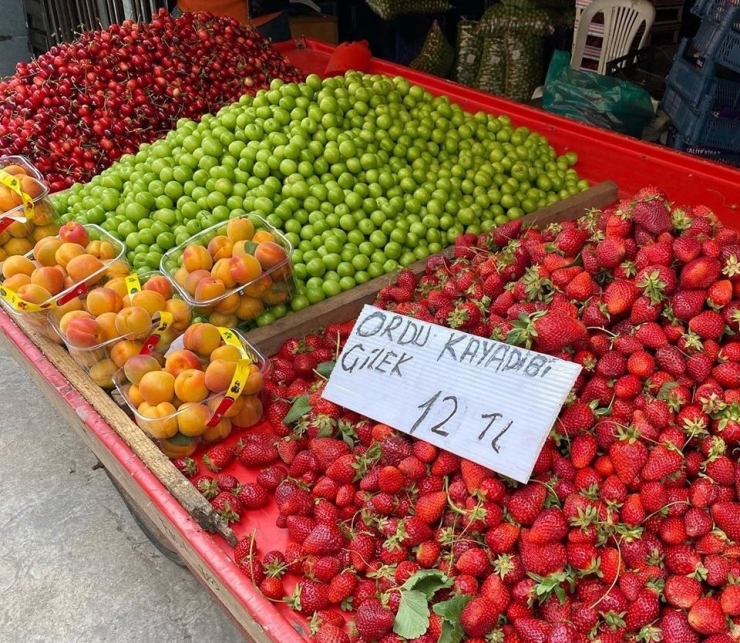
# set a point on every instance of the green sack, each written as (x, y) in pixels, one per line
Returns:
(437, 55)
(491, 76)
(602, 101)
(524, 64)
(469, 49)
(389, 9)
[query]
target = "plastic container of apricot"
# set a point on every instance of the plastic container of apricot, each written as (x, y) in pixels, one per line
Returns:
(36, 314)
(252, 285)
(27, 214)
(100, 343)
(213, 417)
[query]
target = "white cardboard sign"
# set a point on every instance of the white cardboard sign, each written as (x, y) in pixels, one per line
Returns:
(484, 400)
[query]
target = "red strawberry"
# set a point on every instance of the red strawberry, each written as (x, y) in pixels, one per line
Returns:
(643, 610)
(187, 466)
(329, 633)
(581, 287)
(430, 507)
(533, 630)
(554, 331)
(259, 450)
(730, 600)
(465, 315)
(610, 252)
(549, 527)
(583, 450)
(323, 539)
(676, 629)
(727, 517)
(662, 462)
(682, 591)
(700, 273)
(327, 450)
(526, 503)
(628, 456)
(502, 538)
(619, 296)
(373, 620)
(479, 616)
(207, 485)
(474, 562)
(706, 616)
(708, 324)
(227, 506)
(272, 587)
(310, 596)
(686, 304)
(577, 418)
(653, 215)
(253, 496)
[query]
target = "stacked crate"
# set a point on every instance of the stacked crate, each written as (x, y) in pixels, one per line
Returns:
(702, 95)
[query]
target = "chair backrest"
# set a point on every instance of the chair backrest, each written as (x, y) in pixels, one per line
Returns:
(622, 20)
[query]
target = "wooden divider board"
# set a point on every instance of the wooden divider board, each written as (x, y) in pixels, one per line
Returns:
(348, 305)
(268, 339)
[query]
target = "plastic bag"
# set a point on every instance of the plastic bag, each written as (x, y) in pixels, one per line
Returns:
(437, 55)
(349, 55)
(523, 64)
(603, 101)
(491, 76)
(389, 9)
(469, 49)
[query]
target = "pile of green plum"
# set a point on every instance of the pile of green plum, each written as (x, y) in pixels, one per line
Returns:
(363, 173)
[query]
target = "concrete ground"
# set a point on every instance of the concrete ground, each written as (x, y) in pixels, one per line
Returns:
(74, 567)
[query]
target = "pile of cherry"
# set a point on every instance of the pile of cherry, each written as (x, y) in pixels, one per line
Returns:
(629, 527)
(79, 107)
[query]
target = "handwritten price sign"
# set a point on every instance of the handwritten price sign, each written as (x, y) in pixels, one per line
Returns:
(486, 401)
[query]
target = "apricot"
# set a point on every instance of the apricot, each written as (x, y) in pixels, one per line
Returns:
(160, 284)
(32, 187)
(229, 304)
(139, 365)
(192, 418)
(225, 321)
(190, 386)
(103, 300)
(240, 229)
(181, 313)
(19, 229)
(50, 278)
(220, 247)
(69, 316)
(270, 254)
(178, 446)
(44, 232)
(254, 383)
(133, 322)
(150, 300)
(134, 396)
(219, 432)
(15, 282)
(18, 247)
(82, 332)
(66, 252)
(124, 350)
(181, 360)
(259, 288)
(261, 236)
(244, 269)
(192, 280)
(156, 387)
(249, 308)
(117, 269)
(3, 254)
(202, 339)
(196, 257)
(33, 293)
(279, 293)
(159, 420)
(107, 323)
(222, 272)
(180, 276)
(208, 289)
(102, 373)
(85, 268)
(118, 284)
(228, 352)
(18, 266)
(219, 374)
(250, 413)
(45, 250)
(44, 216)
(233, 410)
(103, 250)
(74, 232)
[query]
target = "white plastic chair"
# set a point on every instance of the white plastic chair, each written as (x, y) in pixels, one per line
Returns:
(622, 21)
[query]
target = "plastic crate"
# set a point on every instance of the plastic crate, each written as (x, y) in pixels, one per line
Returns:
(677, 142)
(638, 67)
(699, 126)
(717, 10)
(694, 84)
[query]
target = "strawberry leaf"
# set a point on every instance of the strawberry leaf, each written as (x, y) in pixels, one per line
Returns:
(298, 410)
(427, 581)
(451, 633)
(450, 611)
(412, 619)
(325, 368)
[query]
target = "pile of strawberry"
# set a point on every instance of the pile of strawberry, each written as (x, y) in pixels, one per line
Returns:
(629, 529)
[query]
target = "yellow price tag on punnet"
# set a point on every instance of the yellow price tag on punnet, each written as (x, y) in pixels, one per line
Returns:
(21, 305)
(240, 375)
(133, 285)
(151, 342)
(14, 183)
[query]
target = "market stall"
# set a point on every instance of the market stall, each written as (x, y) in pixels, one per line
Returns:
(202, 535)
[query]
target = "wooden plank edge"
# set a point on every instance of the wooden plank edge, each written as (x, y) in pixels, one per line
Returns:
(156, 461)
(348, 305)
(208, 562)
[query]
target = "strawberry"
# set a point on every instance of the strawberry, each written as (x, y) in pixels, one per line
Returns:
(730, 600)
(502, 538)
(643, 610)
(272, 588)
(276, 412)
(466, 315)
(227, 506)
(474, 562)
(259, 450)
(479, 616)
(628, 456)
(610, 252)
(310, 596)
(253, 496)
(554, 331)
(271, 477)
(187, 466)
(727, 517)
(323, 539)
(653, 215)
(550, 526)
(619, 296)
(706, 616)
(391, 480)
(676, 629)
(682, 591)
(329, 633)
(327, 450)
(576, 418)
(662, 462)
(429, 508)
(581, 287)
(373, 620)
(708, 324)
(583, 450)
(700, 273)
(219, 457)
(534, 630)
(207, 485)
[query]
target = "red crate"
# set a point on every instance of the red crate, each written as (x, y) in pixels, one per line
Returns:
(603, 155)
